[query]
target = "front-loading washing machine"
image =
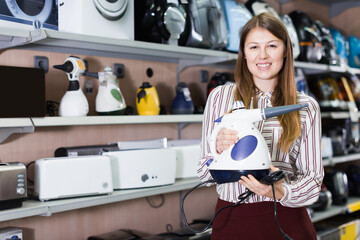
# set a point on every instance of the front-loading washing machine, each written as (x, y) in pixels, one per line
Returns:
(29, 14)
(104, 18)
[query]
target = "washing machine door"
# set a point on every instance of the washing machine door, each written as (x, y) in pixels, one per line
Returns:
(37, 11)
(111, 9)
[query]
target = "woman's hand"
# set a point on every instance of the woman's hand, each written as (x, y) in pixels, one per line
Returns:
(258, 188)
(225, 139)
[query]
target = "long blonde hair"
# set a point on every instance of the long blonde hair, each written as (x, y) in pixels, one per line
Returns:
(285, 91)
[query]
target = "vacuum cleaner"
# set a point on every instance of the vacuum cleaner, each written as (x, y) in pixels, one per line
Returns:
(249, 155)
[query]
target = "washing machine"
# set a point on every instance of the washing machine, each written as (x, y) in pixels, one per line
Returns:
(29, 14)
(102, 18)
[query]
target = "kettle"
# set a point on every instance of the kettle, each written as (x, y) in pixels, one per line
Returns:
(182, 103)
(147, 100)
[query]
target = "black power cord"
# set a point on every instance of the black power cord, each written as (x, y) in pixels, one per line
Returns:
(268, 180)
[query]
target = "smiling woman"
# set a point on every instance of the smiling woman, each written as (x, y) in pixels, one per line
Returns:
(264, 77)
(264, 55)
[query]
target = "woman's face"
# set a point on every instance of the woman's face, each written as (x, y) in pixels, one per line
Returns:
(264, 54)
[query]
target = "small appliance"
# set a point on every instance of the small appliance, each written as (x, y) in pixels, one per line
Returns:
(340, 45)
(143, 144)
(109, 99)
(182, 103)
(11, 233)
(329, 50)
(66, 177)
(187, 157)
(250, 154)
(236, 15)
(29, 14)
(102, 18)
(147, 100)
(326, 147)
(324, 201)
(74, 102)
(327, 92)
(22, 92)
(142, 168)
(337, 183)
(301, 82)
(161, 21)
(257, 7)
(207, 28)
(354, 52)
(85, 150)
(309, 37)
(13, 185)
(353, 175)
(219, 78)
(293, 35)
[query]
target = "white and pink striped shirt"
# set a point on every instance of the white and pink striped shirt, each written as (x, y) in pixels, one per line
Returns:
(303, 164)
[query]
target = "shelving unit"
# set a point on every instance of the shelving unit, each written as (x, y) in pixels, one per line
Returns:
(110, 120)
(352, 204)
(37, 208)
(54, 41)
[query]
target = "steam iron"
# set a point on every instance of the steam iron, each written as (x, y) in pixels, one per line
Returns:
(293, 35)
(74, 102)
(354, 52)
(236, 15)
(256, 7)
(250, 154)
(109, 100)
(340, 45)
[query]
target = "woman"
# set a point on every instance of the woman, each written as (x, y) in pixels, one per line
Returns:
(264, 77)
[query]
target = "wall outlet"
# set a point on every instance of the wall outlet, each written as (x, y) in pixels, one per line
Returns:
(41, 62)
(119, 70)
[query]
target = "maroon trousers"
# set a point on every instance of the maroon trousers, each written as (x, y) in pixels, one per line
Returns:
(256, 221)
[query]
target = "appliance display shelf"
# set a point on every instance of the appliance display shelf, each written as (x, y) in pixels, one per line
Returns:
(108, 120)
(37, 208)
(55, 41)
(352, 205)
(341, 159)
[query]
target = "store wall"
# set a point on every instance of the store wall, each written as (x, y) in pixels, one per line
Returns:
(134, 214)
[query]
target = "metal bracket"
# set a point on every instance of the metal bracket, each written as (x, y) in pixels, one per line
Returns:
(5, 132)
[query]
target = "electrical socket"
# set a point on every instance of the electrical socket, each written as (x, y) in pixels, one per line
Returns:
(41, 62)
(204, 76)
(119, 70)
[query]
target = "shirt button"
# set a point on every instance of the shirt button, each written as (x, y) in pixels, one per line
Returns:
(263, 94)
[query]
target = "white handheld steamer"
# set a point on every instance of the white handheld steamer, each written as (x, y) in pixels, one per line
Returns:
(74, 102)
(250, 154)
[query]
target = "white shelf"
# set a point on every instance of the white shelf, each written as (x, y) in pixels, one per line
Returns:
(64, 42)
(37, 208)
(341, 159)
(337, 209)
(110, 120)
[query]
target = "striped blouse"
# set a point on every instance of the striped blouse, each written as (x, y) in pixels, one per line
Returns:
(302, 164)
